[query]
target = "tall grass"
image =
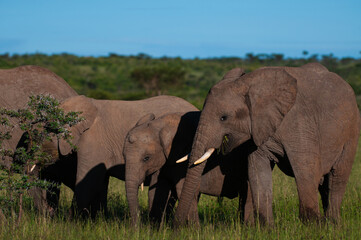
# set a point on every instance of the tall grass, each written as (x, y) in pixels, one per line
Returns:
(218, 220)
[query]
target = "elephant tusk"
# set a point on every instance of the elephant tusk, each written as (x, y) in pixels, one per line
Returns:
(142, 186)
(32, 168)
(205, 156)
(183, 159)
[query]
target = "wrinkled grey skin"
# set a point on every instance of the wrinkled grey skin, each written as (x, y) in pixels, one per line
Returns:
(16, 85)
(100, 140)
(152, 148)
(304, 119)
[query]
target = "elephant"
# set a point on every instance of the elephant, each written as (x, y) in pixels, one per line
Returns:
(16, 86)
(99, 141)
(151, 149)
(304, 119)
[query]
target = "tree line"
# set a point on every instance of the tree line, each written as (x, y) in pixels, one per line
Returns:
(141, 76)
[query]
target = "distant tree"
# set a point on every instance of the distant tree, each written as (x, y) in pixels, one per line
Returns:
(263, 57)
(155, 79)
(143, 56)
(250, 57)
(313, 57)
(347, 60)
(304, 53)
(277, 57)
(100, 94)
(329, 61)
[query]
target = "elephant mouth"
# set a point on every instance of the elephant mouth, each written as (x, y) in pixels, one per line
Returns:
(225, 145)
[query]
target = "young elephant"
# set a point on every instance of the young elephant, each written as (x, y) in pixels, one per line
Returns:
(100, 140)
(152, 148)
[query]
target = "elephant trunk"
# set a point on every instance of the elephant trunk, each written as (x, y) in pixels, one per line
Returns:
(191, 184)
(132, 182)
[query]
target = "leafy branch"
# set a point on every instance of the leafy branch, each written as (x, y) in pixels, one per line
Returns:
(42, 120)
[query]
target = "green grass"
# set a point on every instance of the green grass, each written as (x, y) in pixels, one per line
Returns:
(218, 221)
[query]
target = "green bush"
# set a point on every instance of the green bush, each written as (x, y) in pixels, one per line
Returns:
(42, 120)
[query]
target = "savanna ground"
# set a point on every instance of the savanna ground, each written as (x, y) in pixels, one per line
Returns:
(218, 220)
(119, 77)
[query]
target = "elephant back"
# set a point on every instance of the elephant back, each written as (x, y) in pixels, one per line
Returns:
(17, 84)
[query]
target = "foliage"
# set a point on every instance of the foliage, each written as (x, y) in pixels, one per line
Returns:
(156, 78)
(42, 120)
(218, 221)
(114, 76)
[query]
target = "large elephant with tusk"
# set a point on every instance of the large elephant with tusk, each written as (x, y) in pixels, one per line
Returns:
(304, 119)
(151, 149)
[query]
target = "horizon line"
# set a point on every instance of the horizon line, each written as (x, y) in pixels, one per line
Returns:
(260, 56)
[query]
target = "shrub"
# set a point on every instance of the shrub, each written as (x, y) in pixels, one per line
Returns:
(41, 121)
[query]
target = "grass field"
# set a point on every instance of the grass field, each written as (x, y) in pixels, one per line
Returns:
(218, 220)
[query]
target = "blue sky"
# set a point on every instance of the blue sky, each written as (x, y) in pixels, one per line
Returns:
(181, 28)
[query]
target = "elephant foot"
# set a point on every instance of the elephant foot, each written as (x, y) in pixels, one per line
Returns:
(85, 213)
(309, 215)
(51, 212)
(248, 220)
(178, 224)
(265, 221)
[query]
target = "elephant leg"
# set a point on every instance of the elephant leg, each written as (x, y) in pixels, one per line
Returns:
(169, 211)
(73, 209)
(245, 207)
(158, 197)
(152, 189)
(90, 183)
(52, 196)
(338, 179)
(104, 196)
(306, 168)
(99, 202)
(308, 196)
(260, 180)
(46, 201)
(324, 192)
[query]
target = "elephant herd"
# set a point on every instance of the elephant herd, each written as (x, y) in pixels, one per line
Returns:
(303, 119)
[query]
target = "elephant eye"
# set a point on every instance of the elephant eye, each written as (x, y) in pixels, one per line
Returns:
(223, 118)
(146, 159)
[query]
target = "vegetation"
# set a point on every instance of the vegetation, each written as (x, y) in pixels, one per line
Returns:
(218, 220)
(40, 121)
(154, 79)
(141, 76)
(114, 77)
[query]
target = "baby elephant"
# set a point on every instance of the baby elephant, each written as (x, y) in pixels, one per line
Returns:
(152, 148)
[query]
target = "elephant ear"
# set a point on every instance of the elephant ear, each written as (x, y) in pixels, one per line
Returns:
(146, 118)
(166, 138)
(272, 93)
(233, 74)
(176, 136)
(168, 132)
(89, 112)
(316, 67)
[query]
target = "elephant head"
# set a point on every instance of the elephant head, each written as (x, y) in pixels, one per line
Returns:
(88, 111)
(150, 145)
(238, 108)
